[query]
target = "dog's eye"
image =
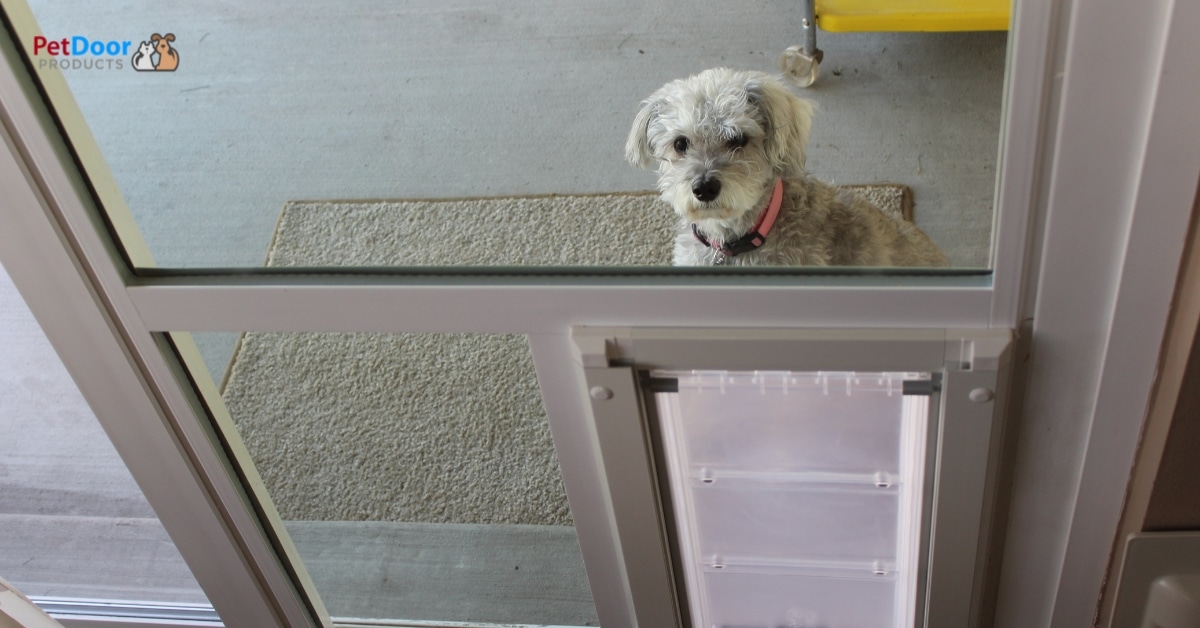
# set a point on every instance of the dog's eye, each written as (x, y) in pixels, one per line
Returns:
(681, 145)
(738, 141)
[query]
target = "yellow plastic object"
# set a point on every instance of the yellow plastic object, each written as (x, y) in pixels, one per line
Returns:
(912, 15)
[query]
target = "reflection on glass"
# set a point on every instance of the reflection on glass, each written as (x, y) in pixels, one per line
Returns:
(282, 127)
(414, 473)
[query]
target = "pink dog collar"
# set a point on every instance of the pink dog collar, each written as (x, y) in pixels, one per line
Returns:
(757, 235)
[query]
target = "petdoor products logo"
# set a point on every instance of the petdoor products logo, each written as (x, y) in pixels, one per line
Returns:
(83, 53)
(156, 54)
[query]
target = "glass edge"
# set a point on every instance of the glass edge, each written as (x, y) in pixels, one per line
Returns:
(579, 276)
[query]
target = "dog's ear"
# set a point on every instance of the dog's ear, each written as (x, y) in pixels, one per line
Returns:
(637, 148)
(788, 118)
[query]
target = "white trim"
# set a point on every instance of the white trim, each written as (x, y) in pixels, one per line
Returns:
(577, 447)
(1172, 377)
(1025, 131)
(1164, 186)
(635, 499)
(349, 304)
(97, 621)
(90, 613)
(383, 623)
(1123, 179)
(18, 610)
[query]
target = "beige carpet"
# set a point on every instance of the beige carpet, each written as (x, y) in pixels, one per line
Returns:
(427, 428)
(588, 230)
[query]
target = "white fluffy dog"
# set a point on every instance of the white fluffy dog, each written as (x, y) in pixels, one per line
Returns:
(729, 146)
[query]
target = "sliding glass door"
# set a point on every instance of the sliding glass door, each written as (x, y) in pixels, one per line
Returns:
(384, 342)
(320, 298)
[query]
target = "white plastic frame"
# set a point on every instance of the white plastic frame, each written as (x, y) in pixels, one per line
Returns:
(1101, 156)
(963, 453)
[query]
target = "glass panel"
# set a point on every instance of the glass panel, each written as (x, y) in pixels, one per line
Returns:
(415, 474)
(349, 134)
(75, 525)
(798, 496)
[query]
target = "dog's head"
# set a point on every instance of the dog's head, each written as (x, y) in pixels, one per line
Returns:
(163, 42)
(719, 140)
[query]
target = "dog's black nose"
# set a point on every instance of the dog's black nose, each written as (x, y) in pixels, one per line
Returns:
(706, 190)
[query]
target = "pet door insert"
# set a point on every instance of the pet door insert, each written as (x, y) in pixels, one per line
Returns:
(798, 497)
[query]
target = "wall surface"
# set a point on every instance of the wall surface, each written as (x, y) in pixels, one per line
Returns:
(1175, 501)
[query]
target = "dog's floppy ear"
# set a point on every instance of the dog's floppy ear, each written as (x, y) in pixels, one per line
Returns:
(788, 118)
(637, 148)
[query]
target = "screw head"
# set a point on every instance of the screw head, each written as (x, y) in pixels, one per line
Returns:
(982, 395)
(600, 393)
